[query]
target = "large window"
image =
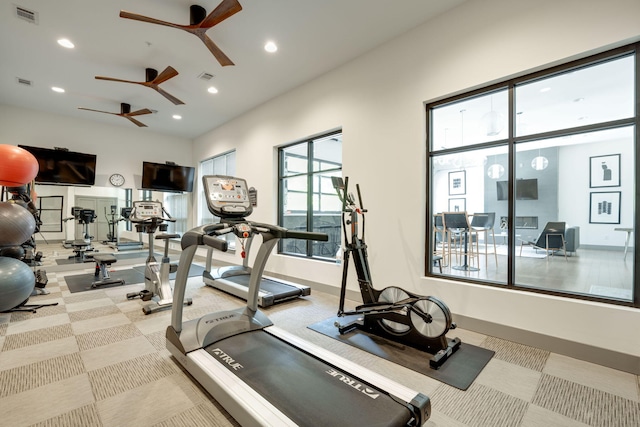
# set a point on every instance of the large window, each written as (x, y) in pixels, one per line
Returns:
(177, 205)
(307, 199)
(532, 181)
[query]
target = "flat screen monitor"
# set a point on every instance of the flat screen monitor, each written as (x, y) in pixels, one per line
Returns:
(526, 189)
(167, 177)
(63, 167)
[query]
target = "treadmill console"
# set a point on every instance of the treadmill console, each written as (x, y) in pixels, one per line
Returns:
(227, 196)
(143, 210)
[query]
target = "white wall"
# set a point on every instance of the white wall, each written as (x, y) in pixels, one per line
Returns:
(573, 191)
(378, 99)
(118, 149)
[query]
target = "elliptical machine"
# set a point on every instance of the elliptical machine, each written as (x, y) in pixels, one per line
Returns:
(418, 321)
(112, 222)
(149, 217)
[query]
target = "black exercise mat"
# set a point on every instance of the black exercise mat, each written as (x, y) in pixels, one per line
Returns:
(138, 254)
(74, 260)
(194, 271)
(82, 282)
(459, 371)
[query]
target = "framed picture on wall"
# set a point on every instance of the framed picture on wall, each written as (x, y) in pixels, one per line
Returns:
(604, 171)
(457, 183)
(457, 205)
(605, 207)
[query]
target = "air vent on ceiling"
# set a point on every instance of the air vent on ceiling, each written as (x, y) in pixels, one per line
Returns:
(205, 76)
(26, 14)
(24, 82)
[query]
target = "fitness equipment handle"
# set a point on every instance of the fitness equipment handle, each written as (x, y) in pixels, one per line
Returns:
(215, 243)
(306, 235)
(283, 233)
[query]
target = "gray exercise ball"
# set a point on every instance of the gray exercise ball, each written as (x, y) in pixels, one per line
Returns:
(16, 282)
(17, 224)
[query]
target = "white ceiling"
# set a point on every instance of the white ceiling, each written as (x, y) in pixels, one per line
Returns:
(313, 36)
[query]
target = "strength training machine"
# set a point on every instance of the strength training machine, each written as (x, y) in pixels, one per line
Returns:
(394, 313)
(263, 375)
(82, 246)
(148, 217)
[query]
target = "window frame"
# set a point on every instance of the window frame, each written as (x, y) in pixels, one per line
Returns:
(310, 174)
(511, 143)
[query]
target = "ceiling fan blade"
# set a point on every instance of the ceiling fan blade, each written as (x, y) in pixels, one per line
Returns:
(167, 74)
(97, 111)
(139, 112)
(132, 120)
(111, 79)
(224, 10)
(215, 50)
(170, 97)
(136, 17)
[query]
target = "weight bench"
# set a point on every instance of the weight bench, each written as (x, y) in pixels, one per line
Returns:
(80, 249)
(103, 262)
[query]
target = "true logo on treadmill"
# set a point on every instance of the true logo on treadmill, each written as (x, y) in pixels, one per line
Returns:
(226, 359)
(353, 383)
(218, 319)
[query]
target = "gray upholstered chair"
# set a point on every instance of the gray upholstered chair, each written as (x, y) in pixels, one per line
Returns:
(572, 239)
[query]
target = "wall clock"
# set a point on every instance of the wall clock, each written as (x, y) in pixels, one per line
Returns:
(116, 180)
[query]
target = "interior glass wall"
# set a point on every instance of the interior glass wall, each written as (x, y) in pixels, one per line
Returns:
(532, 181)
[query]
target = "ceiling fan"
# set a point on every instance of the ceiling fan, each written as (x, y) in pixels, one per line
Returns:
(125, 111)
(200, 23)
(153, 80)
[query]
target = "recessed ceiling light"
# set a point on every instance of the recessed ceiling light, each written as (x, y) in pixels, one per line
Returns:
(57, 89)
(66, 43)
(270, 47)
(177, 116)
(212, 90)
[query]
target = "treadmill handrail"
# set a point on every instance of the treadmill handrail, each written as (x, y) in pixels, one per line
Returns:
(195, 237)
(284, 233)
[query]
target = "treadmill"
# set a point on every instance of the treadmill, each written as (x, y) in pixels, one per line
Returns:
(234, 279)
(129, 245)
(263, 375)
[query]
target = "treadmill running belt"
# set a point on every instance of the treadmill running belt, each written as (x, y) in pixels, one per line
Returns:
(306, 389)
(279, 290)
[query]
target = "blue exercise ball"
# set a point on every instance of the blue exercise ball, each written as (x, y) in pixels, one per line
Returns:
(17, 224)
(12, 252)
(16, 282)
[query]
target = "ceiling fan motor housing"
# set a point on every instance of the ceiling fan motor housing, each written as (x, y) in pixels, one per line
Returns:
(151, 74)
(198, 13)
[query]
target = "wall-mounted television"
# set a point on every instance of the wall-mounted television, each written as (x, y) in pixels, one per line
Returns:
(526, 189)
(167, 177)
(60, 166)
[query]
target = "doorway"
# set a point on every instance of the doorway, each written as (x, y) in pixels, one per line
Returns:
(102, 207)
